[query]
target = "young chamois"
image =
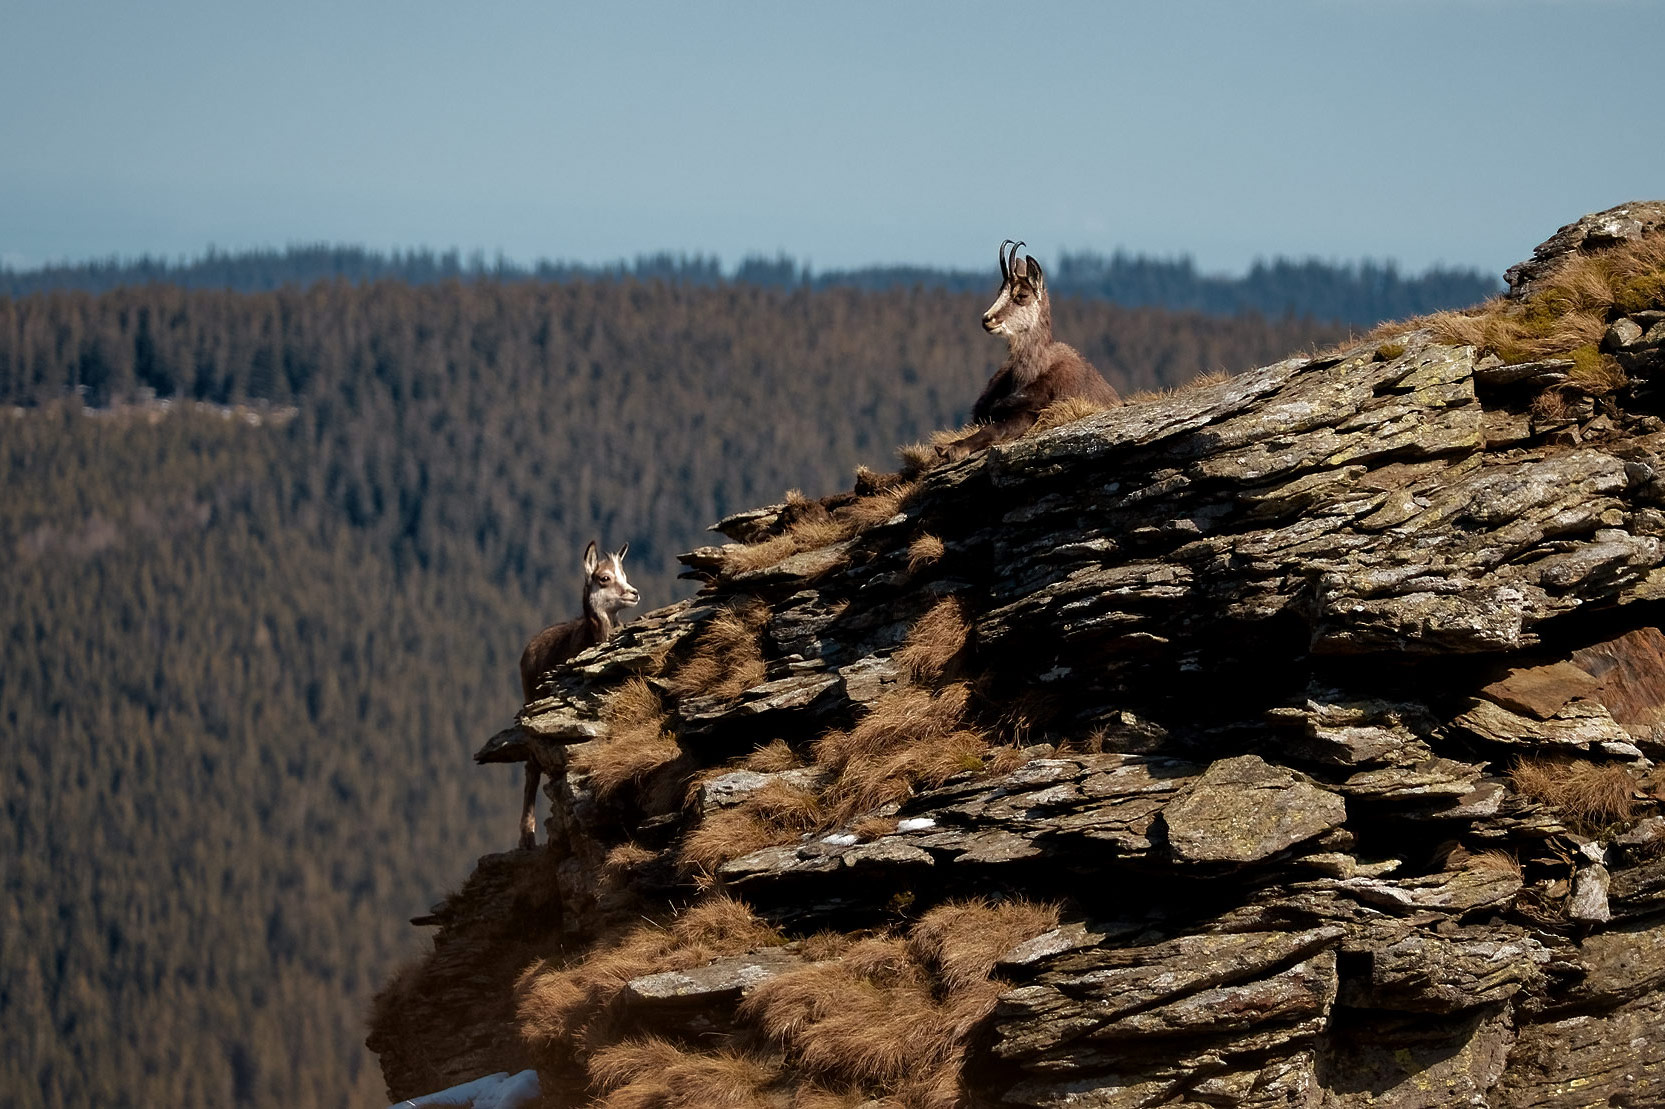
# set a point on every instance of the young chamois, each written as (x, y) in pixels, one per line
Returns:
(1037, 371)
(607, 592)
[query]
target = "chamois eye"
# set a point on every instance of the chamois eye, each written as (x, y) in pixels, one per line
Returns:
(604, 578)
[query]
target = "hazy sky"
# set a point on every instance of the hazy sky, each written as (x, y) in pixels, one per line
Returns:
(1456, 131)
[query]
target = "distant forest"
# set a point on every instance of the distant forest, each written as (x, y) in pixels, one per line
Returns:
(1361, 294)
(270, 558)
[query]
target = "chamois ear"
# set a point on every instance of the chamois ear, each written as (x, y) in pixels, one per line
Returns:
(619, 554)
(1036, 277)
(590, 559)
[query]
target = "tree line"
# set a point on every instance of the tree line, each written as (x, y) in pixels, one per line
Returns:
(1360, 293)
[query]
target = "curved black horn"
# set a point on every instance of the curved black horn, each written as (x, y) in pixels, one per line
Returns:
(1012, 264)
(1005, 269)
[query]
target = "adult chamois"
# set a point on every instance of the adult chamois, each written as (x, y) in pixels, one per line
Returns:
(1038, 370)
(607, 592)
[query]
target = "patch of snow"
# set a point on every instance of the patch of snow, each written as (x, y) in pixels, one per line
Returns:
(495, 1091)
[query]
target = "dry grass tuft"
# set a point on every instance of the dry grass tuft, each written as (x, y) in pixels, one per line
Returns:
(772, 758)
(727, 657)
(1065, 410)
(810, 525)
(872, 827)
(623, 861)
(911, 737)
(916, 458)
(875, 508)
(963, 940)
(1569, 309)
(740, 558)
(569, 1009)
(1592, 794)
(636, 743)
(892, 1013)
(657, 1074)
(926, 550)
(778, 813)
(1004, 760)
(935, 640)
(1493, 861)
(1201, 381)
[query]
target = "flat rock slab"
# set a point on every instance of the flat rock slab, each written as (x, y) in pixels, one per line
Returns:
(1540, 691)
(1244, 809)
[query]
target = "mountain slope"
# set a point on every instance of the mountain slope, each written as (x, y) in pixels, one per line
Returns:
(1284, 741)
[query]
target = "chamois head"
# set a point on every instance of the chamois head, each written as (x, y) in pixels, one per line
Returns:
(1021, 306)
(606, 589)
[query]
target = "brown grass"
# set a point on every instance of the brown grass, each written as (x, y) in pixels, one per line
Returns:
(910, 737)
(657, 1074)
(936, 639)
(813, 525)
(625, 859)
(740, 558)
(895, 1014)
(772, 758)
(925, 550)
(1493, 861)
(1065, 410)
(779, 813)
(636, 743)
(569, 1009)
(1201, 381)
(1590, 794)
(872, 827)
(727, 656)
(876, 508)
(1568, 310)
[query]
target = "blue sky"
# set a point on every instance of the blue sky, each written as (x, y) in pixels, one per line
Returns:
(1423, 131)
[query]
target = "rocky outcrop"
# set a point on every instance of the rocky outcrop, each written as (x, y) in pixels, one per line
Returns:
(1322, 703)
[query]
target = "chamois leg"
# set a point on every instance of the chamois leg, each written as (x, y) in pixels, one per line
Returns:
(529, 805)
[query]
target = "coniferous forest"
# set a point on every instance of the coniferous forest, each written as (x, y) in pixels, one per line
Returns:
(269, 561)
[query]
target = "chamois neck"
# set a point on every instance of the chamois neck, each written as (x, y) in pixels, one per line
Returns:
(598, 621)
(1024, 349)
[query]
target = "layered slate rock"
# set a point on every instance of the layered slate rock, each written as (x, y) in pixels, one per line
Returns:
(1261, 662)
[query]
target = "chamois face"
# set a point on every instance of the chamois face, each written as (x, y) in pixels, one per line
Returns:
(606, 589)
(1017, 309)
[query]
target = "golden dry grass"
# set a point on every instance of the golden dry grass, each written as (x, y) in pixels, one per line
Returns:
(911, 737)
(925, 550)
(894, 1014)
(565, 1010)
(727, 656)
(875, 508)
(812, 525)
(739, 558)
(1567, 312)
(636, 743)
(1065, 410)
(619, 871)
(934, 641)
(872, 827)
(1493, 861)
(657, 1074)
(772, 758)
(1201, 381)
(778, 813)
(1591, 794)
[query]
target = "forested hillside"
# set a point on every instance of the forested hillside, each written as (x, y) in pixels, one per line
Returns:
(1361, 293)
(270, 558)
